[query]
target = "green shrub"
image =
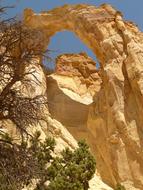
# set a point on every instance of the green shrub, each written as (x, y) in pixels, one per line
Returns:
(19, 164)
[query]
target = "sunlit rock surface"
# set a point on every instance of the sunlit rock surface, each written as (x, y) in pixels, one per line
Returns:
(110, 107)
(70, 90)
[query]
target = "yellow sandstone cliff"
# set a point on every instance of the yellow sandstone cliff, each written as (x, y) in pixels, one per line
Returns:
(104, 105)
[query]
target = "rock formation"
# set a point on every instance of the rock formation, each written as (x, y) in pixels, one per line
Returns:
(71, 88)
(106, 106)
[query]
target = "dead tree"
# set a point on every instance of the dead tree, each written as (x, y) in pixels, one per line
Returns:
(19, 45)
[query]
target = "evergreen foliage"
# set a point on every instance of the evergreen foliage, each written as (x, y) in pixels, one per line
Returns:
(19, 164)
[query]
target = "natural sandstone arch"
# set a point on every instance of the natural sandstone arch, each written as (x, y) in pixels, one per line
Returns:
(118, 109)
(77, 20)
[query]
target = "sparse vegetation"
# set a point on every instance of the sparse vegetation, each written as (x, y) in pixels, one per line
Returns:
(19, 164)
(20, 48)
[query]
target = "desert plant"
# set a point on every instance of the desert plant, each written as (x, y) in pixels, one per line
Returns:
(20, 163)
(20, 48)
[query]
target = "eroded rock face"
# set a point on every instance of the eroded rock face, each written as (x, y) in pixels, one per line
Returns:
(82, 69)
(71, 88)
(115, 119)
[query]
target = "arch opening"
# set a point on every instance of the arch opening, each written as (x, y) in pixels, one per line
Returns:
(66, 42)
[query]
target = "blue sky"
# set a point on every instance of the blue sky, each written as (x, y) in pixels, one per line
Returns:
(67, 42)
